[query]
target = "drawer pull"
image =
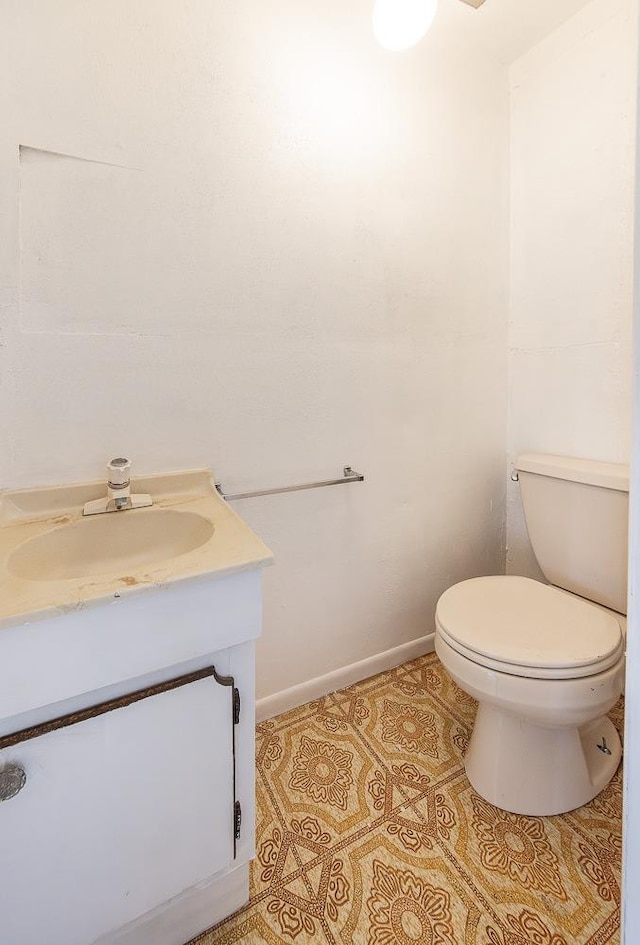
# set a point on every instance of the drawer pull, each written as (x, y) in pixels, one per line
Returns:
(12, 779)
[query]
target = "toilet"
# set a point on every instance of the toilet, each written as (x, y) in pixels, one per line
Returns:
(546, 661)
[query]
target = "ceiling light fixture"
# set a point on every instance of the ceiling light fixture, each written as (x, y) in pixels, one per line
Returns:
(399, 24)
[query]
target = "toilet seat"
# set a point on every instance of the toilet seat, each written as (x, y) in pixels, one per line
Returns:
(524, 628)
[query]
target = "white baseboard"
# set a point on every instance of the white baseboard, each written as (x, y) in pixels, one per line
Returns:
(305, 692)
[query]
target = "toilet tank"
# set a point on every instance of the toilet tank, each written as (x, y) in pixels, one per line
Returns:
(577, 513)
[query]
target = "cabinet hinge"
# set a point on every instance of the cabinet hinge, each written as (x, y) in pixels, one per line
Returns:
(237, 820)
(236, 705)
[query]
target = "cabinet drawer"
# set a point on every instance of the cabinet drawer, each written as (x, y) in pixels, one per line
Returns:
(120, 811)
(136, 635)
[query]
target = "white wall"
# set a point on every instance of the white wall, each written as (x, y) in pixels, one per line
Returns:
(573, 100)
(242, 235)
(631, 807)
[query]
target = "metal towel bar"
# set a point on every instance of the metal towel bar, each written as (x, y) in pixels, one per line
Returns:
(348, 475)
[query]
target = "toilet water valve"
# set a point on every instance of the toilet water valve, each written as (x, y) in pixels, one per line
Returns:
(604, 748)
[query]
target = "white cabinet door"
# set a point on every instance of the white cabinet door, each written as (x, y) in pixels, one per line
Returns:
(119, 812)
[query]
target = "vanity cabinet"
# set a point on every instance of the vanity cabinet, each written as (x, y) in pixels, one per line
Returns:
(126, 713)
(134, 825)
(126, 805)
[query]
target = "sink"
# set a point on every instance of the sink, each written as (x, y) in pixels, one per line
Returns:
(54, 559)
(116, 543)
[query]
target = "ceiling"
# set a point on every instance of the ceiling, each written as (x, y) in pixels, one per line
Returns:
(509, 27)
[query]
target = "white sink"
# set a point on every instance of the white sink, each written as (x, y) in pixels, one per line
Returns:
(116, 543)
(54, 559)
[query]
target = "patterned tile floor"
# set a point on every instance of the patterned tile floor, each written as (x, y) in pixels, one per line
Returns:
(368, 833)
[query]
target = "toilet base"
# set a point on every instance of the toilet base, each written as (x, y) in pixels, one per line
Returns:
(538, 771)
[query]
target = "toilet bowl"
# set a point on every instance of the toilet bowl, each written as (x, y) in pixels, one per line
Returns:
(541, 743)
(546, 661)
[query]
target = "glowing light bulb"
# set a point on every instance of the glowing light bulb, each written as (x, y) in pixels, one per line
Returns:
(399, 24)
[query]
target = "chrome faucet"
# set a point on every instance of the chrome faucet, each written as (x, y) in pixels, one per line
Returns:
(119, 496)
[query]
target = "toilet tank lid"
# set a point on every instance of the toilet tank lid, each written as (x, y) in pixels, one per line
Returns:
(588, 471)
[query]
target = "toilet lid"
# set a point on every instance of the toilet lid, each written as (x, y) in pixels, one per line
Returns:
(525, 628)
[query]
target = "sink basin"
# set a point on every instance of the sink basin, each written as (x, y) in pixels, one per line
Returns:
(116, 543)
(54, 559)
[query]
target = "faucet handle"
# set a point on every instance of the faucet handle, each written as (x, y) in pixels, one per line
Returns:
(119, 471)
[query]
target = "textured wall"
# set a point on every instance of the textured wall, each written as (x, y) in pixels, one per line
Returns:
(572, 169)
(243, 236)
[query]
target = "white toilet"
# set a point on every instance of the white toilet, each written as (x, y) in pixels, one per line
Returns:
(546, 661)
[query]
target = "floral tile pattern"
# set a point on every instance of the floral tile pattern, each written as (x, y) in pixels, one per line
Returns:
(369, 833)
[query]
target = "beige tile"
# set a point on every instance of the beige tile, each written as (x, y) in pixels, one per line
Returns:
(369, 833)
